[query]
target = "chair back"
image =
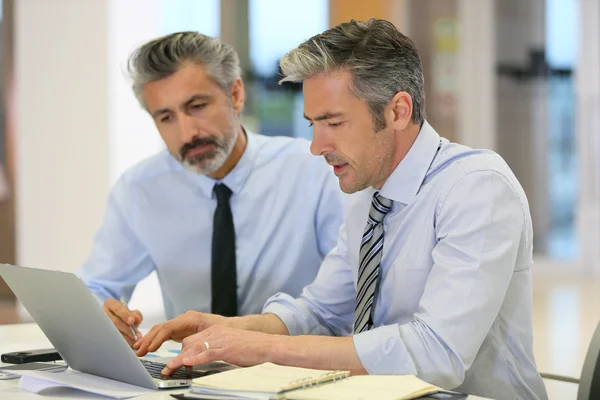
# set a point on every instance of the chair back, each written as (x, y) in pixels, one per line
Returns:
(589, 384)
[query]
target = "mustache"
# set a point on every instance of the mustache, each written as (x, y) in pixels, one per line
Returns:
(334, 159)
(197, 142)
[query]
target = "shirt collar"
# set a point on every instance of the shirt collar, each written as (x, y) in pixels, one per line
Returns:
(405, 181)
(238, 176)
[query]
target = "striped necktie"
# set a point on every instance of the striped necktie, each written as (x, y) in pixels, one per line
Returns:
(371, 248)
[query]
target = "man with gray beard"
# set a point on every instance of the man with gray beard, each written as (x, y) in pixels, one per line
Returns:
(226, 217)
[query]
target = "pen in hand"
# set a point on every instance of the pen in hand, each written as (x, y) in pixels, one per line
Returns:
(135, 336)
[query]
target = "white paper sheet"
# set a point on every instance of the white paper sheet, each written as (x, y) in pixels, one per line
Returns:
(36, 381)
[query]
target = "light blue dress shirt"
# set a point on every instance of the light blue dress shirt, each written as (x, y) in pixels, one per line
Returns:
(454, 305)
(287, 210)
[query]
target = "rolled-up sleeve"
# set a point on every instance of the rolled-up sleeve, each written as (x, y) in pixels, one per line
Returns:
(326, 306)
(479, 227)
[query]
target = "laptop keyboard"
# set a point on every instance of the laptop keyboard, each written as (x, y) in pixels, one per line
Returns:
(154, 369)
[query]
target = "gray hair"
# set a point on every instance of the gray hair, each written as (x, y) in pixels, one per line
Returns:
(382, 62)
(163, 56)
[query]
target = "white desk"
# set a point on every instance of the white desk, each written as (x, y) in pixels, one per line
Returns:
(29, 336)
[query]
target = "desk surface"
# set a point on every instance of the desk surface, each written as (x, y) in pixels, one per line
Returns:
(29, 336)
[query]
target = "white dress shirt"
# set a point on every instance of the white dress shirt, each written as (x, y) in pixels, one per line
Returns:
(287, 209)
(454, 305)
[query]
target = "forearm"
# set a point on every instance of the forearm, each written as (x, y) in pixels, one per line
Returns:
(266, 323)
(318, 352)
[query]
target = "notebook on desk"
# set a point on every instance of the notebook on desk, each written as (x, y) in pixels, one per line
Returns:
(271, 381)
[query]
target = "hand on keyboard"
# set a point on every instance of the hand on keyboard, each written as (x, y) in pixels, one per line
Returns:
(154, 369)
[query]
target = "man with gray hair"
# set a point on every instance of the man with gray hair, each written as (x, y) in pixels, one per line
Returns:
(431, 274)
(226, 217)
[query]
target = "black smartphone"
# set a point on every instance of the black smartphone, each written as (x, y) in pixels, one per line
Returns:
(27, 356)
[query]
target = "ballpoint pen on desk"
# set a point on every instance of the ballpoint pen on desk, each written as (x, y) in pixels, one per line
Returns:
(124, 302)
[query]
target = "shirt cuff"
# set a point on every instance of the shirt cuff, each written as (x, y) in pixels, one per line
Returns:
(287, 309)
(100, 297)
(382, 352)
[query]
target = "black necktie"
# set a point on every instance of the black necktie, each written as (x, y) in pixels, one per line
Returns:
(223, 274)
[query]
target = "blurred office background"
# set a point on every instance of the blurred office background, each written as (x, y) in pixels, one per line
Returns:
(519, 77)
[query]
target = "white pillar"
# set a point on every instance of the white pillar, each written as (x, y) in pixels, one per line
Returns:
(587, 86)
(476, 73)
(62, 124)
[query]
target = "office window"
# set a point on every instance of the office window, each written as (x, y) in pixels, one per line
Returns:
(563, 185)
(190, 15)
(274, 30)
(561, 33)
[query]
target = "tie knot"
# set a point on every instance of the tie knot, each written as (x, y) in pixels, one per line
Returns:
(223, 194)
(380, 206)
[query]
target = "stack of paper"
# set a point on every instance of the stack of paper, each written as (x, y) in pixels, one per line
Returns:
(37, 381)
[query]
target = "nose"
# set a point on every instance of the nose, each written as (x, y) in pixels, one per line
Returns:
(187, 127)
(321, 144)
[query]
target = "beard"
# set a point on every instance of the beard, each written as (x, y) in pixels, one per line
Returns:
(365, 171)
(214, 157)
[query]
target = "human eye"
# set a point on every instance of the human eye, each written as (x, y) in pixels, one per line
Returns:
(198, 106)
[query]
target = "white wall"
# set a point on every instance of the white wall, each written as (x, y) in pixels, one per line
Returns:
(587, 90)
(62, 124)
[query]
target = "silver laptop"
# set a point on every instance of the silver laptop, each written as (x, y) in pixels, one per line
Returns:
(72, 319)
